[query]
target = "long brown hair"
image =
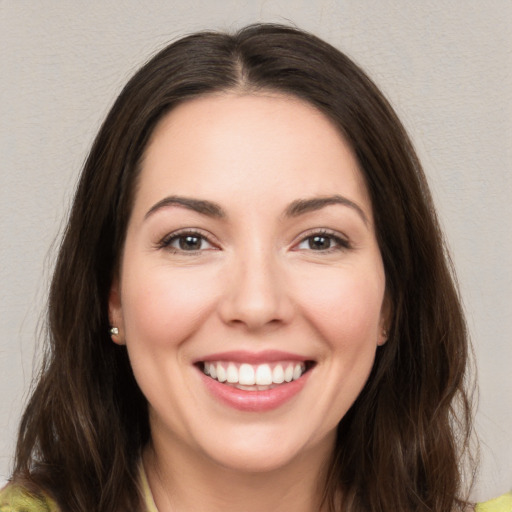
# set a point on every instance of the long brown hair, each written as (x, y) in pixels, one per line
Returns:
(399, 446)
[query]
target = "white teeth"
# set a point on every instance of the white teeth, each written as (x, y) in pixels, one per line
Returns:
(288, 373)
(246, 375)
(221, 373)
(278, 374)
(253, 377)
(263, 375)
(232, 374)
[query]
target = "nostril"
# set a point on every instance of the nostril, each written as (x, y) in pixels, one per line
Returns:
(255, 298)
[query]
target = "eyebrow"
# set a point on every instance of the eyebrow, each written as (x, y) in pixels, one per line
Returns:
(295, 209)
(198, 205)
(302, 206)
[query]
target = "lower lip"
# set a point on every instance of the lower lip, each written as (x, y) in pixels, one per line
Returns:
(255, 401)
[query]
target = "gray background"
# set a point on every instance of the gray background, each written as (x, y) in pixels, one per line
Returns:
(445, 65)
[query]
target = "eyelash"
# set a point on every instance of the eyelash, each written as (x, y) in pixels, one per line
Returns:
(166, 242)
(340, 243)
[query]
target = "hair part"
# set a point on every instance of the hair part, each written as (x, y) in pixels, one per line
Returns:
(399, 446)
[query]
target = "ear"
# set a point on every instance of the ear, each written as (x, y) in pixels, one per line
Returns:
(115, 313)
(386, 314)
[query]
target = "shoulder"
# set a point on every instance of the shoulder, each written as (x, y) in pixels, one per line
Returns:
(15, 498)
(501, 504)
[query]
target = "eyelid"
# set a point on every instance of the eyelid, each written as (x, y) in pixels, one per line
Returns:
(165, 241)
(341, 240)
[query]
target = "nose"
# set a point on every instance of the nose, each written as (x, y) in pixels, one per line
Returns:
(256, 295)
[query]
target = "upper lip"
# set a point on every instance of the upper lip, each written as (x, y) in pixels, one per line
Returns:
(243, 356)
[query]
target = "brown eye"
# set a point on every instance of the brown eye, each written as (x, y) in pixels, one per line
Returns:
(186, 242)
(320, 242)
(323, 242)
(190, 242)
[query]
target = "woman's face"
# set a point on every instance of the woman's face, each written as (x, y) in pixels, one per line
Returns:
(251, 289)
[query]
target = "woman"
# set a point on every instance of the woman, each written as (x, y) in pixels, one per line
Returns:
(252, 307)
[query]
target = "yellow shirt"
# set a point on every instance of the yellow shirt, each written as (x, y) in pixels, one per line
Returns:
(14, 498)
(501, 504)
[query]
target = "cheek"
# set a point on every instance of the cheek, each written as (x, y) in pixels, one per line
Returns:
(162, 307)
(345, 308)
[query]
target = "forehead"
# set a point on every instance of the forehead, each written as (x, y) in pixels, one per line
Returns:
(229, 146)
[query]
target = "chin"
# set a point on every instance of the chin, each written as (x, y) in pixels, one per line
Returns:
(254, 461)
(267, 452)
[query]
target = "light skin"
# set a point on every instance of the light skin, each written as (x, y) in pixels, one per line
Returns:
(281, 255)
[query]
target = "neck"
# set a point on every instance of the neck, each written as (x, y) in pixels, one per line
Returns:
(179, 486)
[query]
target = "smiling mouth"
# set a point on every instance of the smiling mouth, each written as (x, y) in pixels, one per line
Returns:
(255, 377)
